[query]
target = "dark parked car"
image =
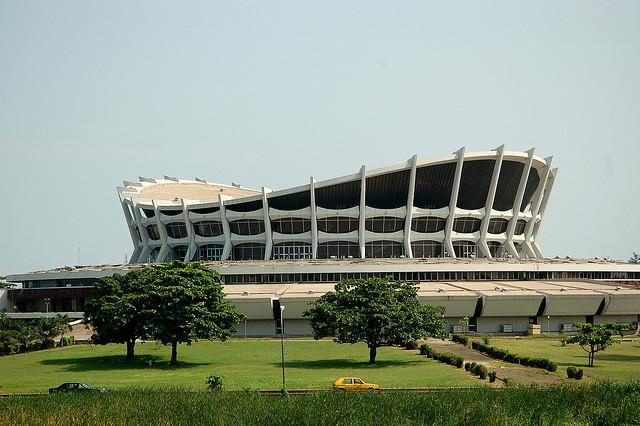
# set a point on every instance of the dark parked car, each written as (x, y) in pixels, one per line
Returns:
(75, 387)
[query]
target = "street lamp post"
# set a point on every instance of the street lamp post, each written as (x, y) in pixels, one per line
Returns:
(282, 344)
(548, 327)
(46, 304)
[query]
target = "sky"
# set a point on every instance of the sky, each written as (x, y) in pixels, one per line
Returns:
(270, 93)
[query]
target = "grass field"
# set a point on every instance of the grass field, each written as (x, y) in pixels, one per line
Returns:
(596, 404)
(619, 362)
(244, 364)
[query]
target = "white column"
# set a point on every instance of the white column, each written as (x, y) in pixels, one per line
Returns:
(516, 205)
(413, 161)
(363, 210)
(535, 208)
(130, 223)
(267, 226)
(226, 251)
(488, 207)
(164, 250)
(191, 250)
(144, 255)
(542, 211)
(314, 218)
(453, 201)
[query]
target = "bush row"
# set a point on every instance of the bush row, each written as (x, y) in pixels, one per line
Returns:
(477, 370)
(463, 340)
(446, 357)
(503, 354)
(574, 373)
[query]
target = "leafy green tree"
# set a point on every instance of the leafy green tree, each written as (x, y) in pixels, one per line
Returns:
(186, 303)
(635, 258)
(52, 327)
(376, 311)
(116, 311)
(593, 338)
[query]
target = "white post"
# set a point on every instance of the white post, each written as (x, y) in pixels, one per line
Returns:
(413, 161)
(267, 225)
(164, 250)
(516, 205)
(453, 201)
(363, 210)
(226, 251)
(543, 209)
(488, 207)
(314, 219)
(191, 250)
(535, 208)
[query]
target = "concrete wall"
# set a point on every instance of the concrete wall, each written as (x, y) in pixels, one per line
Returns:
(494, 324)
(260, 328)
(5, 306)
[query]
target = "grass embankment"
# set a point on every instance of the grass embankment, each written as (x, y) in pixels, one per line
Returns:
(601, 404)
(619, 362)
(244, 364)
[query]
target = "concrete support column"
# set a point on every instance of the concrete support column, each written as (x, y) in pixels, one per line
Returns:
(453, 201)
(314, 218)
(363, 210)
(144, 254)
(516, 204)
(541, 212)
(226, 251)
(488, 207)
(535, 208)
(130, 224)
(164, 250)
(267, 226)
(413, 161)
(191, 250)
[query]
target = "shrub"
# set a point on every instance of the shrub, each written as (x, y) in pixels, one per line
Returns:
(571, 372)
(68, 341)
(482, 371)
(475, 345)
(411, 345)
(214, 382)
(551, 366)
(492, 377)
(463, 340)
(47, 344)
(579, 374)
(512, 358)
(486, 340)
(423, 349)
(467, 366)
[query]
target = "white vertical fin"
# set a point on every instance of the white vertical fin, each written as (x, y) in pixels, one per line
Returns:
(453, 201)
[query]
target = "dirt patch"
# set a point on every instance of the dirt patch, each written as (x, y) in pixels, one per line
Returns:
(518, 373)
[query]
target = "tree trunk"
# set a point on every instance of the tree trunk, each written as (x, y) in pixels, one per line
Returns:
(130, 349)
(174, 352)
(591, 359)
(372, 354)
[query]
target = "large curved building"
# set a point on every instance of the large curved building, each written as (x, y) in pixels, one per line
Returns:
(482, 204)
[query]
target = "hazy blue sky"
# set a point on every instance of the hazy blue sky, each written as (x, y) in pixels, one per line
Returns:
(270, 93)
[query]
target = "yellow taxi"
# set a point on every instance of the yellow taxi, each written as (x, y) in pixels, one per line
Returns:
(354, 384)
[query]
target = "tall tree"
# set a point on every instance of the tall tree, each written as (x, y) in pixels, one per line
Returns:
(376, 311)
(52, 327)
(186, 303)
(115, 311)
(635, 258)
(593, 338)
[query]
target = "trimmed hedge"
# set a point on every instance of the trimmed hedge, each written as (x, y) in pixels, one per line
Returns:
(571, 372)
(463, 340)
(411, 345)
(503, 354)
(477, 370)
(446, 357)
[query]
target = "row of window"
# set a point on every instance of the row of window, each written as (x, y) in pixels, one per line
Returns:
(332, 225)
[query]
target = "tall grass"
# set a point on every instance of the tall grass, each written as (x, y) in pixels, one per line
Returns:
(597, 403)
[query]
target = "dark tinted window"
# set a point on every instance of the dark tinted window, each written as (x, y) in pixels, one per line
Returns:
(384, 224)
(497, 226)
(428, 224)
(247, 227)
(291, 225)
(208, 228)
(520, 225)
(176, 229)
(338, 249)
(378, 249)
(336, 224)
(152, 231)
(427, 249)
(466, 224)
(248, 251)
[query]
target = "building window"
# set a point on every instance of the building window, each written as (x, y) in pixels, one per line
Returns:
(428, 224)
(248, 251)
(291, 225)
(247, 227)
(427, 249)
(152, 231)
(178, 253)
(465, 248)
(292, 251)
(378, 249)
(497, 226)
(176, 230)
(466, 225)
(210, 252)
(337, 224)
(338, 250)
(384, 224)
(497, 249)
(153, 255)
(520, 224)
(208, 228)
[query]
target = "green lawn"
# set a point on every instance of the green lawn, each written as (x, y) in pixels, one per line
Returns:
(618, 362)
(244, 364)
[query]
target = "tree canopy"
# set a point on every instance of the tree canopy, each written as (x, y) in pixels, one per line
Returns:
(17, 335)
(174, 302)
(635, 258)
(594, 338)
(376, 311)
